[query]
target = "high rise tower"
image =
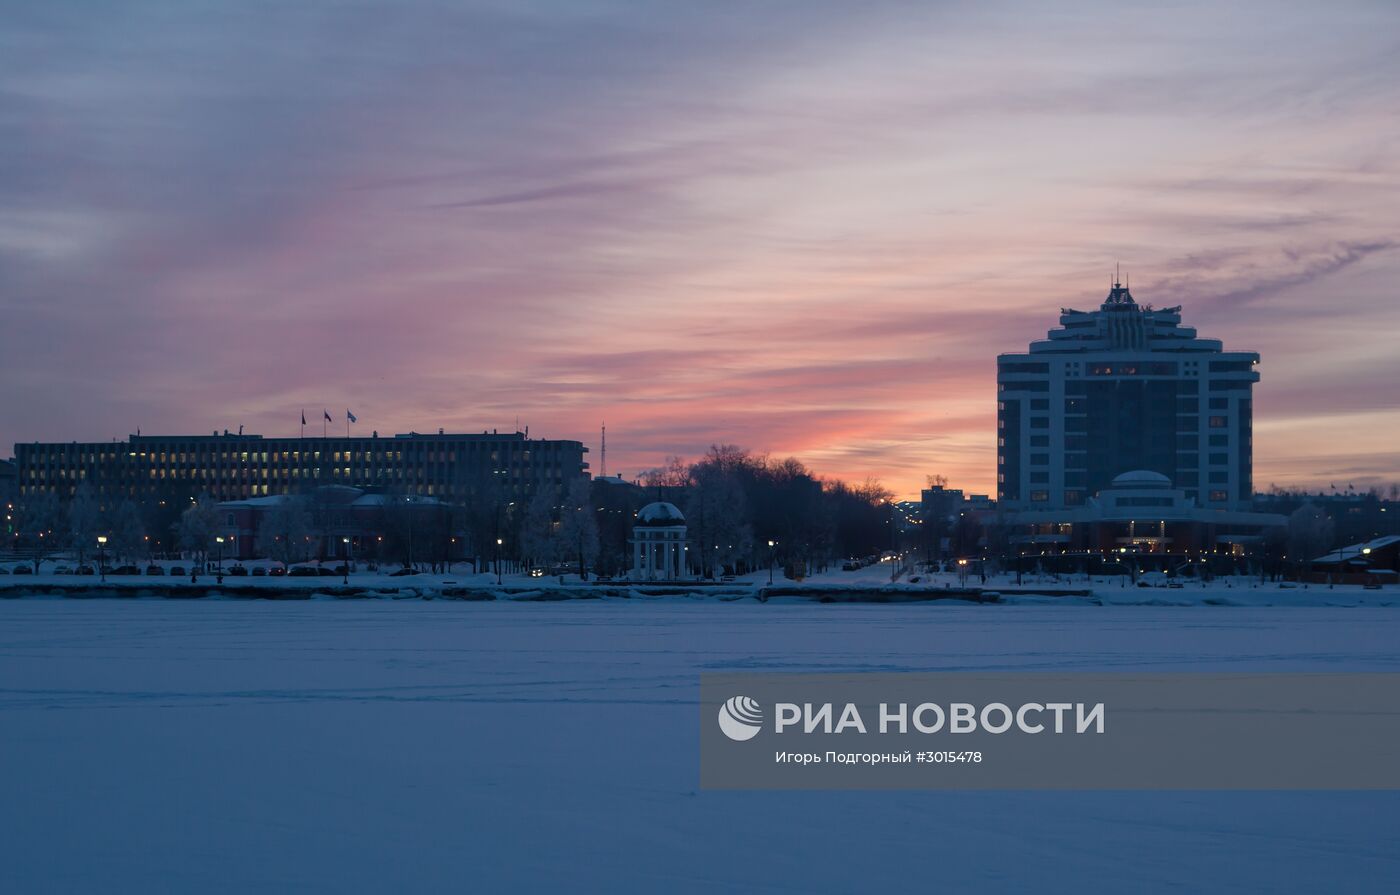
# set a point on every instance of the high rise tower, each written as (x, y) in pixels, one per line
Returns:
(1120, 389)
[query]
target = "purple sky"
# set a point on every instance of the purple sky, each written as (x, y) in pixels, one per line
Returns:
(801, 227)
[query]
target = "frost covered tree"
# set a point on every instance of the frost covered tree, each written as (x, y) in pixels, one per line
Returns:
(284, 532)
(39, 526)
(1309, 534)
(578, 526)
(84, 521)
(128, 537)
(716, 515)
(197, 526)
(537, 530)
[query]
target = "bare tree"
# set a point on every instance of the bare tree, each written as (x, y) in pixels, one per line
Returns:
(84, 521)
(578, 526)
(1309, 534)
(405, 529)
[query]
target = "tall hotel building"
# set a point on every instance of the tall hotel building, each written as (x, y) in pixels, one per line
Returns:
(1122, 389)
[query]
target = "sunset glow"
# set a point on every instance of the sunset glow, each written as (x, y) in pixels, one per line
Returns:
(802, 233)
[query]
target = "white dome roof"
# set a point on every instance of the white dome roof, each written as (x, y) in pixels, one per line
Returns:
(660, 513)
(1141, 478)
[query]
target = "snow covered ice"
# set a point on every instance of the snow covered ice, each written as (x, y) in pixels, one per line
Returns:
(339, 746)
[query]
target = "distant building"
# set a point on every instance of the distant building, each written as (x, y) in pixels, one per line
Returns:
(659, 543)
(1142, 512)
(9, 490)
(1376, 561)
(1119, 389)
(450, 467)
(342, 522)
(950, 521)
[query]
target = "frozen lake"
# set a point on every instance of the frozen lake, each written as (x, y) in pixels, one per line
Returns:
(225, 746)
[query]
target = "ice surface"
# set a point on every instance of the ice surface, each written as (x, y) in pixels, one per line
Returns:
(376, 746)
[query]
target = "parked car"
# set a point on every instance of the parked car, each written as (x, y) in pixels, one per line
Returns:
(850, 565)
(277, 571)
(326, 572)
(303, 572)
(63, 570)
(177, 570)
(399, 573)
(154, 569)
(85, 569)
(726, 579)
(259, 572)
(237, 571)
(125, 570)
(22, 569)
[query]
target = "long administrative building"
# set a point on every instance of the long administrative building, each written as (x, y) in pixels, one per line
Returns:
(451, 467)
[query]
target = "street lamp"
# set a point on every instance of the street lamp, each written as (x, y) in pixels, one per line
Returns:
(219, 575)
(102, 556)
(772, 557)
(499, 542)
(346, 567)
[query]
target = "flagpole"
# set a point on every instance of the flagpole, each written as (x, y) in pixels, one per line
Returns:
(324, 416)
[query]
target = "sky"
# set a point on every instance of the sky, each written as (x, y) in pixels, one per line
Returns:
(806, 228)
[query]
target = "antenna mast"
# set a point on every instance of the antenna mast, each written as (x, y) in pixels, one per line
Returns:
(605, 450)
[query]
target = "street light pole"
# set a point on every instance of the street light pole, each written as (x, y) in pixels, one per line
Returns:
(219, 574)
(499, 541)
(102, 556)
(346, 567)
(772, 558)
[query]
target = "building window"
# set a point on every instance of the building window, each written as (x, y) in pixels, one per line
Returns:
(1040, 476)
(1219, 422)
(1219, 459)
(1040, 403)
(1040, 459)
(1074, 498)
(1220, 441)
(1042, 422)
(1219, 403)
(1041, 496)
(1040, 441)
(1219, 495)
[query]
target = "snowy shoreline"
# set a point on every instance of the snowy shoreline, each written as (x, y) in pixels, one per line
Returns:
(483, 588)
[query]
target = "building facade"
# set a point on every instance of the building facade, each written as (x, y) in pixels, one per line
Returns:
(449, 467)
(1141, 512)
(1119, 389)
